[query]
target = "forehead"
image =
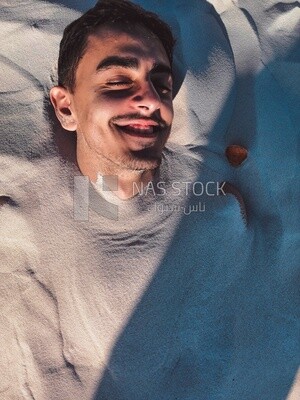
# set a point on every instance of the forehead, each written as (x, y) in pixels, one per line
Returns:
(115, 40)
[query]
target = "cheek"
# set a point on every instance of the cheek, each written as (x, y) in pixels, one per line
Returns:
(168, 112)
(102, 109)
(93, 114)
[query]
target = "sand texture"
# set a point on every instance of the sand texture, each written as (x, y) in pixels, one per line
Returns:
(159, 303)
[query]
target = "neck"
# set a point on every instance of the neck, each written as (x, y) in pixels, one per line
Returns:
(122, 181)
(129, 183)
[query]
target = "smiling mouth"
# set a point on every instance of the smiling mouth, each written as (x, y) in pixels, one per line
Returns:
(136, 130)
(140, 130)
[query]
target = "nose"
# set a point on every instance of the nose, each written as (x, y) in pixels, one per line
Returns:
(146, 99)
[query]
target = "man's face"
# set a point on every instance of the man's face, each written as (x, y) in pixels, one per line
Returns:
(122, 101)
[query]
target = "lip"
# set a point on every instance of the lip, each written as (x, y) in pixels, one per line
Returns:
(140, 122)
(145, 129)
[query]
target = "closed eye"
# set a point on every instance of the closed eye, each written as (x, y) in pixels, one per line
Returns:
(119, 83)
(162, 88)
(165, 89)
(162, 84)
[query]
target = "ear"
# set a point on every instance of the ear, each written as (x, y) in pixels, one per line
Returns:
(61, 101)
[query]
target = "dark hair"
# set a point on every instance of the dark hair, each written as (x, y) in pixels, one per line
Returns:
(75, 37)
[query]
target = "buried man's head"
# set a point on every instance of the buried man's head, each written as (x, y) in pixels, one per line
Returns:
(115, 86)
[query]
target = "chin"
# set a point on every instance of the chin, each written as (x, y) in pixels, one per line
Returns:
(143, 160)
(140, 164)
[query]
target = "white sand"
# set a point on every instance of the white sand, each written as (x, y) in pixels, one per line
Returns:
(210, 311)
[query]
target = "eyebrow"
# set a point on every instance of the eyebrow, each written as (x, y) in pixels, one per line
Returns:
(115, 61)
(130, 62)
